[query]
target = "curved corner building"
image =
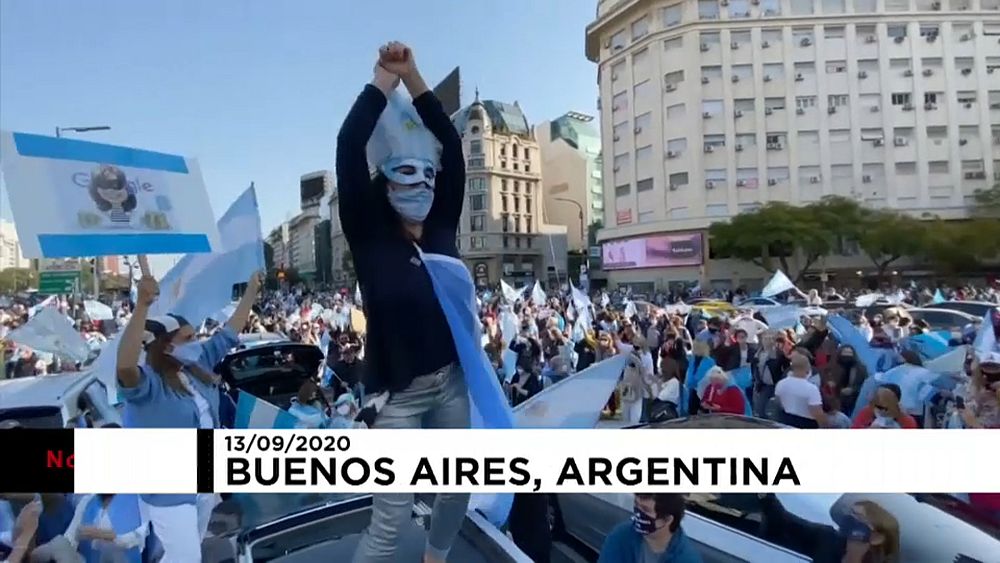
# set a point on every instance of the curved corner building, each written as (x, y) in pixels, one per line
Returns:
(712, 107)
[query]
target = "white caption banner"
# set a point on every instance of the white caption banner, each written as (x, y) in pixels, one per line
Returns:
(372, 461)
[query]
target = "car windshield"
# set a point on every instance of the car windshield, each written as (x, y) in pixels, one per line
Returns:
(34, 417)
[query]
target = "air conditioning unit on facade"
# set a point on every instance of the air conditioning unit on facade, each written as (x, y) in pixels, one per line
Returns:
(966, 71)
(806, 42)
(900, 141)
(814, 180)
(799, 77)
(871, 39)
(928, 72)
(704, 47)
(878, 142)
(704, 80)
(866, 179)
(907, 73)
(671, 154)
(709, 148)
(772, 182)
(734, 45)
(831, 110)
(863, 74)
(706, 115)
(963, 142)
(907, 107)
(709, 185)
(767, 78)
(768, 111)
(930, 107)
(765, 44)
(670, 87)
(899, 38)
(800, 111)
(739, 148)
(875, 109)
(672, 187)
(738, 113)
(736, 78)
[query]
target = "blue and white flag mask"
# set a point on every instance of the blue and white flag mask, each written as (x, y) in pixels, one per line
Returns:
(401, 134)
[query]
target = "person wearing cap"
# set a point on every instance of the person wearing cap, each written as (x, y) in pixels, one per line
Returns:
(174, 387)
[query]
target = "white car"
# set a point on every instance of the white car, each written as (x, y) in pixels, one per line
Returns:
(64, 400)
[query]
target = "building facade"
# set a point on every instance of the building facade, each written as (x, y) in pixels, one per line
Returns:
(340, 254)
(573, 191)
(712, 108)
(10, 248)
(503, 233)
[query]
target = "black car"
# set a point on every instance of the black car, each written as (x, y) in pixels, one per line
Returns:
(272, 370)
(778, 527)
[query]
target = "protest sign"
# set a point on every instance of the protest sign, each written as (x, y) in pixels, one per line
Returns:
(77, 198)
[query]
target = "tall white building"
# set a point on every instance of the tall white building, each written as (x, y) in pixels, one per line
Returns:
(714, 107)
(10, 248)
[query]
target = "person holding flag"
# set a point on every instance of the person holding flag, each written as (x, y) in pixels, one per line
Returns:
(401, 226)
(174, 387)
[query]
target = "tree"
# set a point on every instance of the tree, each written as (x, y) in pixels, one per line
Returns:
(13, 280)
(772, 236)
(886, 236)
(988, 202)
(959, 246)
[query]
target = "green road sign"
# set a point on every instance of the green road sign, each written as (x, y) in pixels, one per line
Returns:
(53, 283)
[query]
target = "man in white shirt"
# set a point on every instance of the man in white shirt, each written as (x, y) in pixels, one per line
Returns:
(800, 399)
(750, 325)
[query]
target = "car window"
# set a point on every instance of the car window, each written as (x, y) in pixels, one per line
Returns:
(254, 365)
(35, 417)
(940, 319)
(974, 309)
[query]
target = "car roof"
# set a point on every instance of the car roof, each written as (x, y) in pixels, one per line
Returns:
(941, 310)
(41, 390)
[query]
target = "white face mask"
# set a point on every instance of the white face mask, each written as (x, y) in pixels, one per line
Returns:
(343, 410)
(188, 353)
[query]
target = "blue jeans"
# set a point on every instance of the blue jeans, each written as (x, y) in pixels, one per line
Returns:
(436, 400)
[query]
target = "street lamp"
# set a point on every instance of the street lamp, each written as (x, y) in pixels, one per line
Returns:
(583, 236)
(59, 130)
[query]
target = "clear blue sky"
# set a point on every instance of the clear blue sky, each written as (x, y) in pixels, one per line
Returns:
(255, 89)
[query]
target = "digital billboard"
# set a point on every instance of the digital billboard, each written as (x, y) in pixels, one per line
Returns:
(657, 251)
(311, 188)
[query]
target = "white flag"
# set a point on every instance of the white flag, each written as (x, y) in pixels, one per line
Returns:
(779, 284)
(48, 331)
(509, 293)
(537, 295)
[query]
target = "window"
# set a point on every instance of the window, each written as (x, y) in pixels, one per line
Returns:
(708, 9)
(643, 123)
(477, 184)
(774, 72)
(478, 243)
(619, 103)
(840, 137)
(619, 132)
(640, 28)
(673, 78)
(477, 162)
(931, 98)
(930, 30)
(644, 185)
(897, 5)
(517, 204)
(938, 167)
(833, 6)
(477, 202)
(618, 41)
(673, 44)
(640, 63)
(937, 134)
(739, 8)
(711, 75)
(745, 105)
(679, 179)
(777, 139)
(527, 153)
(476, 147)
(513, 150)
(715, 141)
(808, 142)
(503, 203)
(770, 7)
(895, 31)
(711, 107)
(677, 146)
(506, 241)
(742, 72)
(715, 178)
(503, 164)
(505, 219)
(477, 222)
(833, 32)
(805, 102)
(967, 97)
(671, 15)
(517, 241)
(865, 6)
(836, 67)
(644, 155)
(746, 141)
(503, 149)
(802, 7)
(621, 163)
(901, 99)
(778, 174)
(771, 37)
(802, 37)
(643, 90)
(503, 184)
(623, 190)
(837, 100)
(676, 112)
(774, 104)
(527, 228)
(710, 40)
(517, 186)
(516, 166)
(740, 38)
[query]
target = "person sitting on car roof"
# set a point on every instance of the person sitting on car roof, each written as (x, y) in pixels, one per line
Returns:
(653, 534)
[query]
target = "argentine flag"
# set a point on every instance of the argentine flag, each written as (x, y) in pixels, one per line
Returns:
(255, 413)
(202, 284)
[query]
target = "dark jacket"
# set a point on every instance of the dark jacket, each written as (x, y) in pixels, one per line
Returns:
(624, 545)
(392, 278)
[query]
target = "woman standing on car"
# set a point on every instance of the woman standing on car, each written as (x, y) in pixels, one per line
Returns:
(401, 226)
(175, 388)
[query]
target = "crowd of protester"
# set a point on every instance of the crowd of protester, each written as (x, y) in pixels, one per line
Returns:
(682, 361)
